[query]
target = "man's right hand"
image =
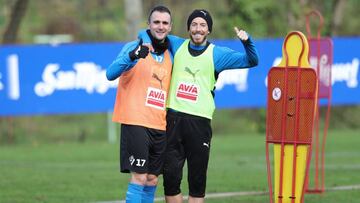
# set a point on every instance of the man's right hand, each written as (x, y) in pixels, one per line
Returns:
(140, 51)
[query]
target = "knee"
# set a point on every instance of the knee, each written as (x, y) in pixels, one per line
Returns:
(152, 180)
(139, 179)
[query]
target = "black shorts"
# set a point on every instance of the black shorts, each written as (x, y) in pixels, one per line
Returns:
(142, 149)
(189, 139)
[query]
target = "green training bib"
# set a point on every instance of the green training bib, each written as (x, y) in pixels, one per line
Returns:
(192, 81)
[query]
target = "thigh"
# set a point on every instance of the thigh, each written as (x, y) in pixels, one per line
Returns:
(174, 156)
(197, 148)
(157, 151)
(134, 149)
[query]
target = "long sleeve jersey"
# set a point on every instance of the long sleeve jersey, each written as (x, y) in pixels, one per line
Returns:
(123, 62)
(224, 58)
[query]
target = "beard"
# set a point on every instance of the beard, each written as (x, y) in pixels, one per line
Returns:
(198, 43)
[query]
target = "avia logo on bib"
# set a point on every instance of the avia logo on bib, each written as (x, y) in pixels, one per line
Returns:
(188, 92)
(155, 98)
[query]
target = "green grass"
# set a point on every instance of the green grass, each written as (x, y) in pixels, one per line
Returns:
(53, 129)
(89, 172)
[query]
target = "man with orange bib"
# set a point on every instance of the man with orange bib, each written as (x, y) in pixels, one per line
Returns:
(140, 106)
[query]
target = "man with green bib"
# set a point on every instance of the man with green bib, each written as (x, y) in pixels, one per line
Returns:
(197, 64)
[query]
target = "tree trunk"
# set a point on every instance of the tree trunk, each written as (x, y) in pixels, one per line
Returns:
(134, 16)
(17, 14)
(338, 16)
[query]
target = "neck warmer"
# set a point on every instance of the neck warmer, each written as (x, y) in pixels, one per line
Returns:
(159, 47)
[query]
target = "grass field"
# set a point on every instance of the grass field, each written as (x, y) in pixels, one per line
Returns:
(88, 172)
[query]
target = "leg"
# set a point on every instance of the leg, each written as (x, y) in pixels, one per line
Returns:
(174, 199)
(135, 188)
(149, 189)
(151, 180)
(134, 158)
(138, 178)
(174, 159)
(157, 149)
(197, 148)
(173, 167)
(196, 199)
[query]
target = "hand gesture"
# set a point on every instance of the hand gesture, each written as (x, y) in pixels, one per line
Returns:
(140, 51)
(242, 35)
(150, 46)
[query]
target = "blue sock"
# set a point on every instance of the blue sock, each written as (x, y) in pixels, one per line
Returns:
(149, 194)
(134, 193)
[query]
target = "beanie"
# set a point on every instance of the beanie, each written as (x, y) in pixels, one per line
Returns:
(202, 14)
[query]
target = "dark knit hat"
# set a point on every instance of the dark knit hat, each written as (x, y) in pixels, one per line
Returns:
(202, 14)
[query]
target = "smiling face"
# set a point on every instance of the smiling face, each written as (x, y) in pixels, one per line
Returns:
(160, 25)
(198, 31)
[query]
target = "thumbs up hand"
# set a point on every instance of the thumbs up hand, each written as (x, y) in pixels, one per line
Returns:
(242, 35)
(140, 51)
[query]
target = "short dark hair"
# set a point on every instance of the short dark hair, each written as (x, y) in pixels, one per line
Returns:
(161, 9)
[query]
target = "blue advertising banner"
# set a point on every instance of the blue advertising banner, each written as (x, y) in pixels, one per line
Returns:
(62, 79)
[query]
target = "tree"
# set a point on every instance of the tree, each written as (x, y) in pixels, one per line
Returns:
(17, 14)
(134, 16)
(338, 16)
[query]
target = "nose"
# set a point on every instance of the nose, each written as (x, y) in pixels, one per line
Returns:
(197, 28)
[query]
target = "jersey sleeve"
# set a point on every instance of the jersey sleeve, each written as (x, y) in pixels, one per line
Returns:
(122, 62)
(142, 34)
(175, 43)
(226, 58)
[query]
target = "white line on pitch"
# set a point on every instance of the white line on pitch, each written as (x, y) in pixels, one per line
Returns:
(246, 193)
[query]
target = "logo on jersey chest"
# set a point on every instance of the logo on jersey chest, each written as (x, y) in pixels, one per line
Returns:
(155, 98)
(188, 92)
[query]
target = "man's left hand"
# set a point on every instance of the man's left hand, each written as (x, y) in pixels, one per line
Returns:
(242, 35)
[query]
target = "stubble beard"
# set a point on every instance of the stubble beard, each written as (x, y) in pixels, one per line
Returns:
(193, 41)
